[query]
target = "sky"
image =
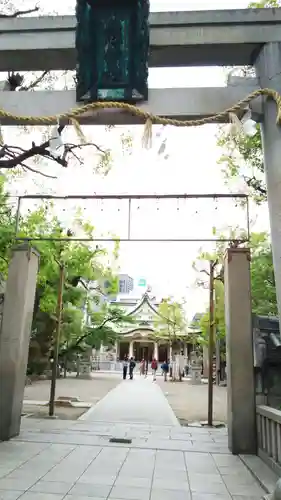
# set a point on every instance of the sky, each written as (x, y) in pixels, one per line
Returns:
(191, 167)
(68, 6)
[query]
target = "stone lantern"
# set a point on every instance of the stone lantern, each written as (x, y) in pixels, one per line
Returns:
(112, 44)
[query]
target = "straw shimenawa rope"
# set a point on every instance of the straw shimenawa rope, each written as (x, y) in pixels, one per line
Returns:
(73, 114)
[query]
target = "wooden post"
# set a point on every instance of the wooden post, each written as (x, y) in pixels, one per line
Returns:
(211, 346)
(56, 343)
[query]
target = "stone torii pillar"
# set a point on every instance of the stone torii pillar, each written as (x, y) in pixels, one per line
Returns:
(268, 68)
(241, 401)
(15, 336)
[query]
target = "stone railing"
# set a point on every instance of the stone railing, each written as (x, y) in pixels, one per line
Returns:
(269, 436)
(107, 365)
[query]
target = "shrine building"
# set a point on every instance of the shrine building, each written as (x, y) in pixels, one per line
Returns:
(141, 340)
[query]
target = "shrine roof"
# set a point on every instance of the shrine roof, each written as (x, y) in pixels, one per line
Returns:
(142, 332)
(144, 300)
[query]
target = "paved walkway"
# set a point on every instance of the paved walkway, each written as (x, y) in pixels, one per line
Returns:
(134, 401)
(75, 460)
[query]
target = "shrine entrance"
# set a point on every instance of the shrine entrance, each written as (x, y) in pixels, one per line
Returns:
(143, 350)
(163, 352)
(123, 350)
(236, 266)
(104, 61)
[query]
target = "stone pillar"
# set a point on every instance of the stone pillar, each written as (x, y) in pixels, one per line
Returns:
(268, 68)
(240, 359)
(15, 336)
(131, 349)
(156, 353)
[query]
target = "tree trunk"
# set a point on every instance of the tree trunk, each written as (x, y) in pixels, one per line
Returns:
(65, 367)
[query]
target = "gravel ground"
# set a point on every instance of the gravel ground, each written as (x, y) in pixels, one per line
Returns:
(90, 391)
(190, 402)
(32, 411)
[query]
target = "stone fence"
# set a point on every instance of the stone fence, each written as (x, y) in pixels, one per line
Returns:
(105, 366)
(269, 436)
(114, 366)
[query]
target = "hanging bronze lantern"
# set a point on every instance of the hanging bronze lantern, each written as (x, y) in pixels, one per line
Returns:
(112, 44)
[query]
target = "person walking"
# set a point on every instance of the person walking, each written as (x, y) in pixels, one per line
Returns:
(165, 369)
(146, 368)
(132, 365)
(142, 367)
(125, 367)
(154, 366)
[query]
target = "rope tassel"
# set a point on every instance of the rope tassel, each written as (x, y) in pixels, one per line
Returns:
(236, 127)
(78, 130)
(147, 135)
(1, 137)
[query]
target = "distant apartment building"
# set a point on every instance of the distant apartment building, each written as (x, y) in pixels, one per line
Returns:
(126, 283)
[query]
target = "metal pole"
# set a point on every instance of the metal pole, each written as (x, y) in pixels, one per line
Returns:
(218, 359)
(133, 196)
(18, 217)
(129, 218)
(211, 345)
(57, 342)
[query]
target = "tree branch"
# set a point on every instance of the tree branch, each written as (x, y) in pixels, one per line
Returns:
(255, 184)
(40, 150)
(27, 167)
(14, 156)
(71, 147)
(36, 82)
(88, 334)
(18, 13)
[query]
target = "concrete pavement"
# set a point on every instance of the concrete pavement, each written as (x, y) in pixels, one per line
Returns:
(75, 460)
(134, 401)
(55, 460)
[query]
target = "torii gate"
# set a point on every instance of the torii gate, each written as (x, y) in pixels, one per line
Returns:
(177, 39)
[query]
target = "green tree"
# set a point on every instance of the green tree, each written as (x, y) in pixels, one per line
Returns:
(242, 156)
(170, 323)
(219, 315)
(265, 4)
(7, 227)
(103, 328)
(83, 261)
(264, 300)
(262, 282)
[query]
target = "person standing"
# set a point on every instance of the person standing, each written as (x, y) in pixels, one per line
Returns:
(132, 365)
(125, 367)
(154, 366)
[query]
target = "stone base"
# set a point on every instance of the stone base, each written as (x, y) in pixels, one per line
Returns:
(84, 370)
(196, 376)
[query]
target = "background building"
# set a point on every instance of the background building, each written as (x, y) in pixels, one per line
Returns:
(140, 338)
(126, 283)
